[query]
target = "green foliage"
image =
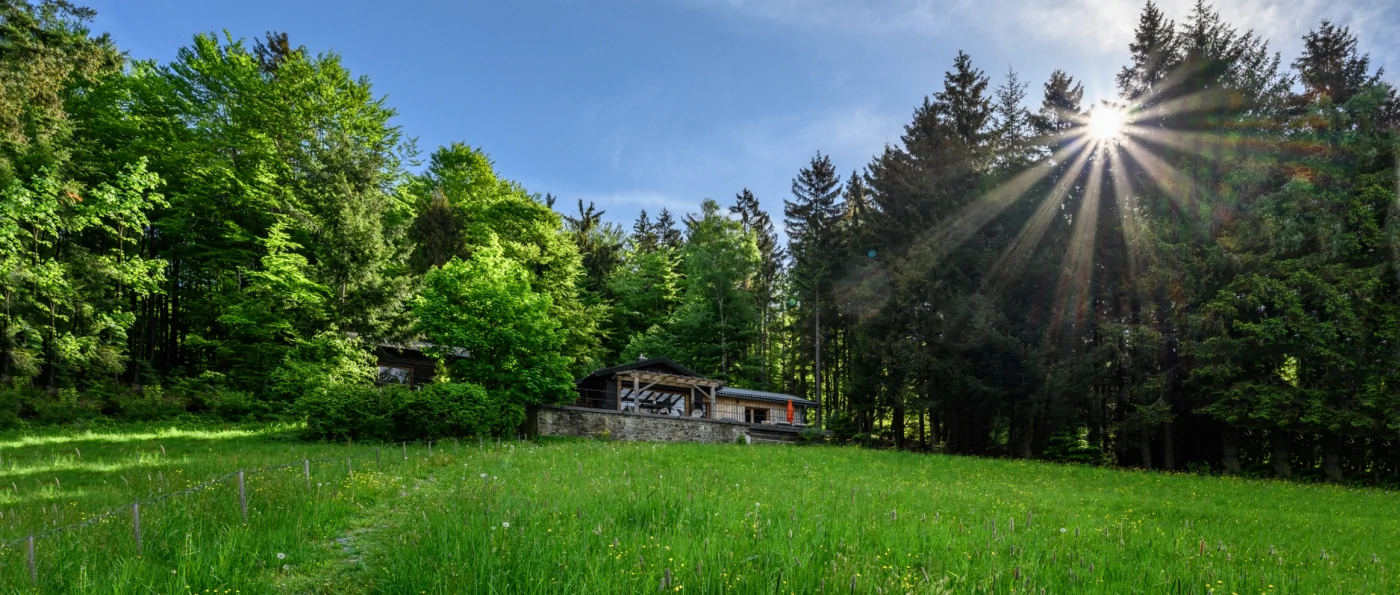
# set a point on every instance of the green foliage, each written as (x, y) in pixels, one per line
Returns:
(464, 207)
(439, 410)
(486, 307)
(327, 360)
(151, 403)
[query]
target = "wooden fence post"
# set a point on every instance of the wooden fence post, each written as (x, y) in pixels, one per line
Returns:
(349, 469)
(430, 448)
(33, 571)
(306, 472)
(136, 524)
(376, 459)
(405, 450)
(242, 497)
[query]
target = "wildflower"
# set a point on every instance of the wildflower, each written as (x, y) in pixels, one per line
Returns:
(505, 525)
(281, 556)
(483, 476)
(1062, 529)
(286, 567)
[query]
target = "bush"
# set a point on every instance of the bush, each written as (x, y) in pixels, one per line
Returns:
(151, 403)
(395, 413)
(64, 408)
(811, 436)
(209, 392)
(236, 405)
(842, 425)
(327, 359)
(9, 409)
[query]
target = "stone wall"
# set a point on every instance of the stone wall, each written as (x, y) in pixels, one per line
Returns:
(590, 423)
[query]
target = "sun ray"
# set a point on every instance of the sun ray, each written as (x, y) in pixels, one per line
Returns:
(1176, 185)
(1180, 106)
(1015, 255)
(1131, 225)
(1076, 269)
(1205, 144)
(936, 245)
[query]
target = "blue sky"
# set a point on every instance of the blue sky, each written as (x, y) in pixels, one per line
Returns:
(642, 104)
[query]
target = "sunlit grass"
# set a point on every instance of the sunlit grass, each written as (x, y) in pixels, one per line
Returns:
(597, 517)
(57, 478)
(621, 518)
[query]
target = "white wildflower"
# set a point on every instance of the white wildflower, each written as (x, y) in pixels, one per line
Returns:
(1062, 529)
(281, 556)
(505, 525)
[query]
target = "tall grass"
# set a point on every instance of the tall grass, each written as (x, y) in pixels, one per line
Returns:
(191, 542)
(595, 517)
(615, 518)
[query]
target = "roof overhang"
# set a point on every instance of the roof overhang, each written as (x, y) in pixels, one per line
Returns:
(668, 379)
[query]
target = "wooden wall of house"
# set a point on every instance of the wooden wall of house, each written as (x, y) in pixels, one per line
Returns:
(423, 366)
(733, 408)
(593, 387)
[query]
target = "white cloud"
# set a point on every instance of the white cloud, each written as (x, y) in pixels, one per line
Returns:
(1091, 27)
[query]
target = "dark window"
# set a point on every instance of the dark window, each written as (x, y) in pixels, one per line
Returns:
(755, 415)
(395, 375)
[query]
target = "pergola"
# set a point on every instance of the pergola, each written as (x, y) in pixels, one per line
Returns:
(642, 380)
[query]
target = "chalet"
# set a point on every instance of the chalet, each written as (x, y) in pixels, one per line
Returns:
(660, 386)
(407, 364)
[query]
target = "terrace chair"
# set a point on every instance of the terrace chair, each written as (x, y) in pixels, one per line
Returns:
(661, 404)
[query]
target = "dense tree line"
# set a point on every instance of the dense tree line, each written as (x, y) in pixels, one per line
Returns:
(1214, 287)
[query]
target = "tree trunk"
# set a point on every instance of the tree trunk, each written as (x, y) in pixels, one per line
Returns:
(1146, 443)
(923, 437)
(1332, 457)
(1025, 430)
(1283, 467)
(1168, 448)
(898, 426)
(1231, 450)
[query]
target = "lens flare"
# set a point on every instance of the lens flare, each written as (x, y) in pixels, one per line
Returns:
(1106, 122)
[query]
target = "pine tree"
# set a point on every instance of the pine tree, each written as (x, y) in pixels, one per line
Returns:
(644, 235)
(1331, 66)
(811, 219)
(757, 222)
(667, 234)
(1154, 55)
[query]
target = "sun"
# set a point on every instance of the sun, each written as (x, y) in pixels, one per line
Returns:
(1106, 122)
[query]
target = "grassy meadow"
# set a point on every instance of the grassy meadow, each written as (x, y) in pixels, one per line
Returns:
(606, 517)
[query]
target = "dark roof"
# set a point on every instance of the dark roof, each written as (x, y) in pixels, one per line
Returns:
(646, 363)
(419, 346)
(758, 395)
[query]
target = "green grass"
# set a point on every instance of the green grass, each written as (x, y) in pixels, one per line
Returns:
(593, 517)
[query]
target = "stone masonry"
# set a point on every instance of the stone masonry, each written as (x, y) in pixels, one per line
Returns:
(592, 423)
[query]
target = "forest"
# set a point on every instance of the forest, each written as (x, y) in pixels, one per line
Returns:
(1199, 275)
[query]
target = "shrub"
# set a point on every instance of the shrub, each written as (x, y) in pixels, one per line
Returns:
(64, 408)
(327, 359)
(151, 403)
(396, 413)
(811, 436)
(236, 405)
(9, 409)
(842, 425)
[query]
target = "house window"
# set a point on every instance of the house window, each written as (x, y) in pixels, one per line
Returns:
(755, 415)
(395, 375)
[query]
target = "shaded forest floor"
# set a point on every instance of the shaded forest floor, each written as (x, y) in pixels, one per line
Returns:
(601, 517)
